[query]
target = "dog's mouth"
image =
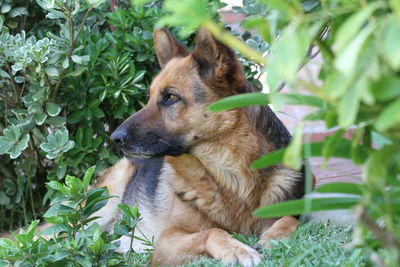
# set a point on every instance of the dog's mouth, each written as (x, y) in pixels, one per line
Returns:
(130, 154)
(150, 148)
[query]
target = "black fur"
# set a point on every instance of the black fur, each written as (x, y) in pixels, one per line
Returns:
(268, 123)
(143, 185)
(200, 94)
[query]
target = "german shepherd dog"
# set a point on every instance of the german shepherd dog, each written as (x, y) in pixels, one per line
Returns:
(188, 169)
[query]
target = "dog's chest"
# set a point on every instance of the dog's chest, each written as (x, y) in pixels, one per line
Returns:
(195, 186)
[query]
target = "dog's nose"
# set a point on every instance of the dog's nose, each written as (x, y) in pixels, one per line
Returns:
(119, 137)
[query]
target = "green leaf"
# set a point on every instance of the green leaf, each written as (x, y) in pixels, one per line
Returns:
(53, 109)
(191, 13)
(346, 61)
(302, 206)
(98, 113)
(19, 146)
(4, 199)
(58, 187)
(6, 243)
(11, 189)
(298, 99)
(345, 188)
(95, 3)
(330, 145)
(5, 8)
(88, 177)
(65, 63)
(348, 106)
(386, 88)
(52, 71)
(121, 229)
(78, 71)
(389, 117)
(342, 150)
(293, 153)
(395, 5)
(74, 184)
(59, 210)
(13, 133)
(286, 56)
(4, 74)
(18, 11)
(57, 143)
(76, 59)
(139, 76)
(5, 144)
(55, 230)
(269, 159)
(56, 121)
(351, 27)
(391, 44)
(238, 101)
(31, 229)
(98, 242)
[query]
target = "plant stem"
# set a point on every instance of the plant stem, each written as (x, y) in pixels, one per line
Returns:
(132, 237)
(218, 32)
(73, 38)
(47, 80)
(387, 238)
(14, 85)
(7, 100)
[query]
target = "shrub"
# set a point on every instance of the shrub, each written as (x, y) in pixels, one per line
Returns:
(74, 241)
(359, 86)
(70, 71)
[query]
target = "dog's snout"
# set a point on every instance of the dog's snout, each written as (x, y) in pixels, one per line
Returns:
(119, 137)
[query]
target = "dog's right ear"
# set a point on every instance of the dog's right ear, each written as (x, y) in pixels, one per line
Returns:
(167, 47)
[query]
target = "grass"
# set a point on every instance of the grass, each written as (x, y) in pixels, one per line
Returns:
(311, 245)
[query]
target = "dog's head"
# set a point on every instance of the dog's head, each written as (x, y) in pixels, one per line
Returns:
(176, 116)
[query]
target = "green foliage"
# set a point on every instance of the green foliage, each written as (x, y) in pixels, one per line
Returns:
(311, 245)
(73, 238)
(67, 78)
(358, 86)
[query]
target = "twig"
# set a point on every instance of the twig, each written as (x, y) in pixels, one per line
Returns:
(47, 80)
(7, 100)
(114, 6)
(387, 238)
(13, 83)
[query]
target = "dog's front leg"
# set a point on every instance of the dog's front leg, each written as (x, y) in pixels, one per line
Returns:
(177, 246)
(281, 229)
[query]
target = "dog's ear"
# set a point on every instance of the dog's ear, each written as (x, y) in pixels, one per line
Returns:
(217, 64)
(167, 47)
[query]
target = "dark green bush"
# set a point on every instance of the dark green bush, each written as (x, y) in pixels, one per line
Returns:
(74, 240)
(70, 72)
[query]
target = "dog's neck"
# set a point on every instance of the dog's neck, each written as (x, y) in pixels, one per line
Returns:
(227, 159)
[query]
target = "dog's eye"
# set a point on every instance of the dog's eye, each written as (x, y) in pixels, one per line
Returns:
(170, 99)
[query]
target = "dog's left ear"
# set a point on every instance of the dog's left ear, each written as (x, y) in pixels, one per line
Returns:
(167, 47)
(217, 65)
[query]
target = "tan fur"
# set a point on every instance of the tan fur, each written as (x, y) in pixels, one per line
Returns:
(282, 228)
(210, 192)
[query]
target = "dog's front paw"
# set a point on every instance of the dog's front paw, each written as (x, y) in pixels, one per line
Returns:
(243, 255)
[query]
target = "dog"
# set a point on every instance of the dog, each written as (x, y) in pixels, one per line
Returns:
(188, 169)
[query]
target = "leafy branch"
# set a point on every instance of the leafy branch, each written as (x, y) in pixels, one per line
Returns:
(73, 39)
